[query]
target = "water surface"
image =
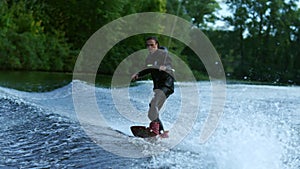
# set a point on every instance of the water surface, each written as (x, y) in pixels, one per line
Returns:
(259, 129)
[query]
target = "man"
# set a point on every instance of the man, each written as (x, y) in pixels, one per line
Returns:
(158, 64)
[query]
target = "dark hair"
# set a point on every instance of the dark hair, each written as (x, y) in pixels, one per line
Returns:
(153, 38)
(163, 48)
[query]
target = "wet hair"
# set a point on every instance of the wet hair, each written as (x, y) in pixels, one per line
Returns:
(153, 38)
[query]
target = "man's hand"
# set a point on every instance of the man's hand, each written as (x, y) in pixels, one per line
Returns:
(134, 77)
(162, 68)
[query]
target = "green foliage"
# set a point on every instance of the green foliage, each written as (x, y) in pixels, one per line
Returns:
(198, 12)
(267, 36)
(48, 35)
(25, 45)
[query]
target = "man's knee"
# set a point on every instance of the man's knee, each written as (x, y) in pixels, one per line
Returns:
(152, 116)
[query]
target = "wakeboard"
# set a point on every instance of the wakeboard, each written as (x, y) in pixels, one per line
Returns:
(145, 132)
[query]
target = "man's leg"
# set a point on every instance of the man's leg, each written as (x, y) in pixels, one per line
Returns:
(155, 106)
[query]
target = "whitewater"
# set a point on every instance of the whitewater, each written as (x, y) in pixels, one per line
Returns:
(259, 129)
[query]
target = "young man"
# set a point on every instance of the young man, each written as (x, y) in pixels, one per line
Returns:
(158, 64)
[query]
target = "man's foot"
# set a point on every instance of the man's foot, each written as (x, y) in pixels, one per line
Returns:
(154, 127)
(165, 134)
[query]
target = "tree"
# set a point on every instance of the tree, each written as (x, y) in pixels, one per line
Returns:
(197, 12)
(24, 44)
(267, 31)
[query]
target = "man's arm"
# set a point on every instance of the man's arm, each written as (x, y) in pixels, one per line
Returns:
(142, 73)
(167, 63)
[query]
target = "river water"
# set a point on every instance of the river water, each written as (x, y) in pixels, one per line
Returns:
(259, 129)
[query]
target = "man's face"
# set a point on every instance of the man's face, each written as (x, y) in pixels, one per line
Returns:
(152, 46)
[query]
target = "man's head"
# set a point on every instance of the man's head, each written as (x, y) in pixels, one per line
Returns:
(152, 44)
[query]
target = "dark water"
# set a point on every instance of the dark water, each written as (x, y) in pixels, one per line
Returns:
(33, 138)
(32, 81)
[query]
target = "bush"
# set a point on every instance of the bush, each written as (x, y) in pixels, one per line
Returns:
(25, 45)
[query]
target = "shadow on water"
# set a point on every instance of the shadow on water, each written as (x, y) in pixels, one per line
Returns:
(34, 81)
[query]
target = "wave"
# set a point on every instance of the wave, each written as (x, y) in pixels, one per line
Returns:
(36, 132)
(259, 129)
